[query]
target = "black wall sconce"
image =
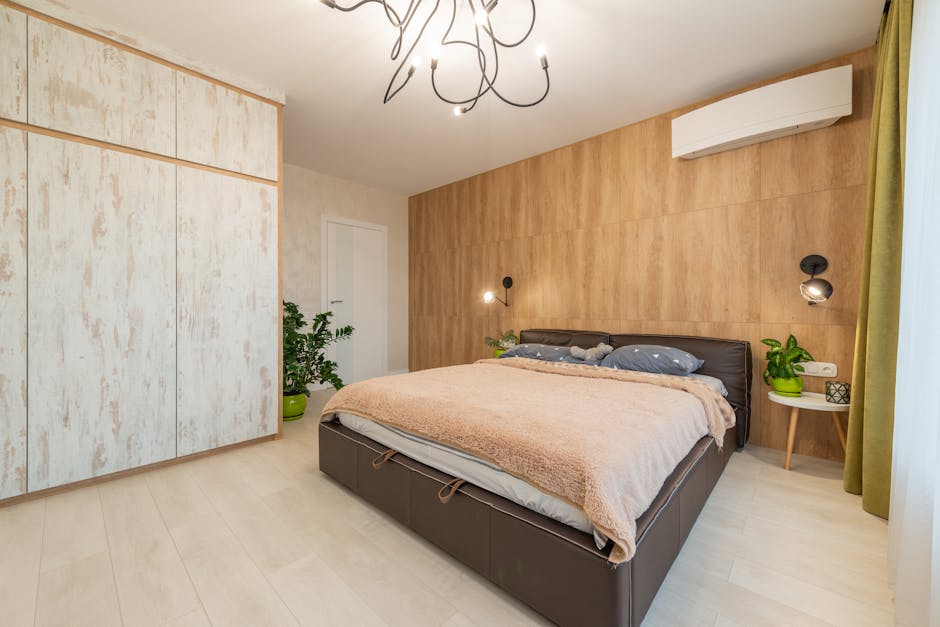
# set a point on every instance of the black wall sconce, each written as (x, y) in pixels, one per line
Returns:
(489, 297)
(815, 290)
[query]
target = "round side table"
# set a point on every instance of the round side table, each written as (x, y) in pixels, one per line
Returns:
(809, 400)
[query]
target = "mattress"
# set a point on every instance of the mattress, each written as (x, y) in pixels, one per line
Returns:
(476, 471)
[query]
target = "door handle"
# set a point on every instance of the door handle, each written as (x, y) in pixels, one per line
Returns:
(333, 302)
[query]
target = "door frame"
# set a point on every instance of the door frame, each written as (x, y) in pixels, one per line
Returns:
(325, 220)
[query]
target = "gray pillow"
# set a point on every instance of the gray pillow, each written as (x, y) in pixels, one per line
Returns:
(544, 352)
(568, 359)
(652, 358)
(714, 383)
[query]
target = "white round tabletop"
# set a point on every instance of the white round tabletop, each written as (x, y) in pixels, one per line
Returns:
(809, 400)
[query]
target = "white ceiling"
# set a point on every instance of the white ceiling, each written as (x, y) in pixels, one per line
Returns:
(612, 62)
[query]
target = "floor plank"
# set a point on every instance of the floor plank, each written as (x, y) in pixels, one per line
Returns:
(20, 550)
(80, 593)
(152, 583)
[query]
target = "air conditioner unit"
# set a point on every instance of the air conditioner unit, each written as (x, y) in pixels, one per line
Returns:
(793, 106)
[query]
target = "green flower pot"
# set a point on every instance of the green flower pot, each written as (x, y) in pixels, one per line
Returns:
(294, 407)
(788, 387)
(498, 352)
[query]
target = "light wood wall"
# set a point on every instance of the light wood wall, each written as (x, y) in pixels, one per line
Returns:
(139, 258)
(613, 234)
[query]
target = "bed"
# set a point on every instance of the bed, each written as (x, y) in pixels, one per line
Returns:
(553, 566)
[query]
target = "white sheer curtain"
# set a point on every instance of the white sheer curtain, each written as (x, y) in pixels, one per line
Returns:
(914, 545)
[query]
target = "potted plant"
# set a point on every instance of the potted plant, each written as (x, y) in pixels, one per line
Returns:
(305, 359)
(502, 343)
(783, 366)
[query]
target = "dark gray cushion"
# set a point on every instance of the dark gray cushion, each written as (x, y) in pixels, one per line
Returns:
(544, 352)
(574, 360)
(652, 358)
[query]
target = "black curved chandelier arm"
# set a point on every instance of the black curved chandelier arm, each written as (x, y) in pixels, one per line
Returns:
(480, 89)
(484, 85)
(480, 13)
(548, 85)
(389, 93)
(402, 25)
(481, 60)
(489, 31)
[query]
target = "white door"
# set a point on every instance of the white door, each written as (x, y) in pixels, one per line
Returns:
(355, 289)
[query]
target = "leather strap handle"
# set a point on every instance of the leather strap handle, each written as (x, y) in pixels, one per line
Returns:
(379, 461)
(446, 493)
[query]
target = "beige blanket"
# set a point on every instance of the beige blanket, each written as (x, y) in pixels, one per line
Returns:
(603, 440)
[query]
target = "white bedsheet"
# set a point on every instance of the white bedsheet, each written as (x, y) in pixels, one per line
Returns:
(476, 471)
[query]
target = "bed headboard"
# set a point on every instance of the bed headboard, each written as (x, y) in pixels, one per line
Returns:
(728, 360)
(558, 337)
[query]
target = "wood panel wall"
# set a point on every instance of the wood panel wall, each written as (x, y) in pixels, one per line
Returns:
(613, 234)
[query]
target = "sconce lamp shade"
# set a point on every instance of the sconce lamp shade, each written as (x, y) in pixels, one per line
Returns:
(815, 290)
(489, 297)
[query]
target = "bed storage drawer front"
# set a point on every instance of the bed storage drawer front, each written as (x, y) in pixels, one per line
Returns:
(338, 455)
(388, 487)
(567, 584)
(459, 527)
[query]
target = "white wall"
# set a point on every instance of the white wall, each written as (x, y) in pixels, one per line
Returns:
(308, 196)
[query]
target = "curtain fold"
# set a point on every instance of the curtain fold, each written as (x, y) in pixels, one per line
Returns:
(871, 416)
(914, 530)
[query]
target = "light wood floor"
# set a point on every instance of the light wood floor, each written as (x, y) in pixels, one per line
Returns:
(258, 537)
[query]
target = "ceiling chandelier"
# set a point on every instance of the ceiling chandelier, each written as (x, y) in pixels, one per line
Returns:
(484, 44)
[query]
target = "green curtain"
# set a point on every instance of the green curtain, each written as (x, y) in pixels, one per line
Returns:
(871, 417)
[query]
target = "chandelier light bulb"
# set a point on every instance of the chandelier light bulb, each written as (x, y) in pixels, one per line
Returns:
(435, 53)
(481, 16)
(416, 62)
(543, 56)
(458, 111)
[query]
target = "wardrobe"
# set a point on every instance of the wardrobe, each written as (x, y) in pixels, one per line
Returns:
(139, 258)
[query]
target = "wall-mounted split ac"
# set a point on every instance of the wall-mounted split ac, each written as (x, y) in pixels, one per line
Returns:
(789, 107)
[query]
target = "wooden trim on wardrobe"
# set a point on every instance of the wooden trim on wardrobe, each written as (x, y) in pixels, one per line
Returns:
(280, 278)
(40, 130)
(75, 485)
(146, 55)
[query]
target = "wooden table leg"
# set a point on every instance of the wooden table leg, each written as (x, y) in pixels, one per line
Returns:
(836, 418)
(791, 436)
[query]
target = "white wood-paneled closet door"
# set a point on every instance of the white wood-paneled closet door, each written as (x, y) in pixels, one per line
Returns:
(102, 312)
(228, 310)
(13, 65)
(356, 291)
(12, 312)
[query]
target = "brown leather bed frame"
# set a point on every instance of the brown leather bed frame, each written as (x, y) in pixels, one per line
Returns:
(555, 569)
